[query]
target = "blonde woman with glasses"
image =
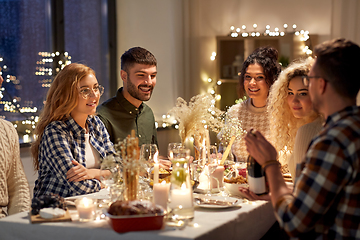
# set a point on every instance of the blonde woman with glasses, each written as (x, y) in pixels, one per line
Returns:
(71, 140)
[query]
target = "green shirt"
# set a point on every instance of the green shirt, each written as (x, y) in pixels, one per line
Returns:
(120, 117)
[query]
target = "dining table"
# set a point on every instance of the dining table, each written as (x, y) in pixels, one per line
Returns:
(246, 220)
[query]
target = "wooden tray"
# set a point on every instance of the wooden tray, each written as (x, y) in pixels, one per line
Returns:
(38, 219)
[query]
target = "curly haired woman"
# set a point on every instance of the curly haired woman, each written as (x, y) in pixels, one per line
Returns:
(258, 73)
(71, 140)
(293, 122)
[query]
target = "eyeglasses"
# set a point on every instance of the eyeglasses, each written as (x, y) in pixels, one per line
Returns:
(306, 79)
(85, 92)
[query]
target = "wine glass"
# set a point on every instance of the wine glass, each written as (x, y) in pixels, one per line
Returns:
(229, 161)
(198, 164)
(147, 154)
(211, 164)
(172, 147)
(109, 174)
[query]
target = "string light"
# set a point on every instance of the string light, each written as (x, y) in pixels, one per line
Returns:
(44, 67)
(277, 32)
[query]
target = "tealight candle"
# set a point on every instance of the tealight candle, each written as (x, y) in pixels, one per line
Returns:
(156, 169)
(86, 209)
(161, 193)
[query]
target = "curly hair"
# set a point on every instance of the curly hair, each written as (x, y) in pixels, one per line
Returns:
(283, 124)
(266, 57)
(61, 99)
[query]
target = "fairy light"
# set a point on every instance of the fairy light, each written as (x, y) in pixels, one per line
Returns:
(213, 55)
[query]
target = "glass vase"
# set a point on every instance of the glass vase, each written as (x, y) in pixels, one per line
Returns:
(181, 196)
(131, 182)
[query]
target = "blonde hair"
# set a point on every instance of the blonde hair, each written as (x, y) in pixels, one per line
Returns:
(283, 124)
(61, 99)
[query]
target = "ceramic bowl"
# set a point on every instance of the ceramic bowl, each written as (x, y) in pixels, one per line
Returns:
(233, 189)
(130, 223)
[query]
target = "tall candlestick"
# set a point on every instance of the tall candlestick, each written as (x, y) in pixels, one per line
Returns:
(156, 169)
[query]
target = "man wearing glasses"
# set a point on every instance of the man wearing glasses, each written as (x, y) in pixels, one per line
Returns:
(325, 203)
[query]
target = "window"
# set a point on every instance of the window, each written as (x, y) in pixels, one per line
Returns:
(37, 38)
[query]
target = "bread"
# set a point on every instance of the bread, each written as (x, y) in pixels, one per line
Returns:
(134, 208)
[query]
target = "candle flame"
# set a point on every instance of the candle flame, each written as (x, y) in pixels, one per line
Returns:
(163, 182)
(86, 202)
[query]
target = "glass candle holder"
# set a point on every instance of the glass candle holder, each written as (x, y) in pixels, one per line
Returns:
(181, 196)
(86, 208)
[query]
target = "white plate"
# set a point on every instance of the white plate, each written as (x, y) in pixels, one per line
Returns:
(102, 194)
(221, 198)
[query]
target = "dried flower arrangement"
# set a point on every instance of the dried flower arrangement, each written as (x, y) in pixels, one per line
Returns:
(197, 116)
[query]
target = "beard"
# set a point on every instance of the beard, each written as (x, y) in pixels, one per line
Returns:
(136, 93)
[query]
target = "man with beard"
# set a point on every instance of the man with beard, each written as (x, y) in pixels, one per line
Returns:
(127, 110)
(325, 200)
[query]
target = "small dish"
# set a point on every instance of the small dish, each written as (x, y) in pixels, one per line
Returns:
(217, 202)
(233, 189)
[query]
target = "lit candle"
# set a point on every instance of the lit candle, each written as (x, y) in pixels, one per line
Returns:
(85, 208)
(181, 197)
(156, 169)
(161, 193)
(203, 179)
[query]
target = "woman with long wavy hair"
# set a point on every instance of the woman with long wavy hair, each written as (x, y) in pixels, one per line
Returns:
(71, 140)
(290, 108)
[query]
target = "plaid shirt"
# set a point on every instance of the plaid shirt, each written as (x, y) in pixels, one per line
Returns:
(62, 142)
(326, 199)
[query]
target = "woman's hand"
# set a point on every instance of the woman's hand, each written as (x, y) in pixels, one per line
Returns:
(252, 196)
(259, 148)
(80, 173)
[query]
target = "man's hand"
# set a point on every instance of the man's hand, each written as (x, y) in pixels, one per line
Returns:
(80, 173)
(259, 148)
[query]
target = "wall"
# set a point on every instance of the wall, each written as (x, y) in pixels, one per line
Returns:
(156, 25)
